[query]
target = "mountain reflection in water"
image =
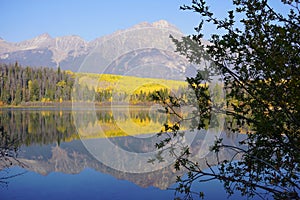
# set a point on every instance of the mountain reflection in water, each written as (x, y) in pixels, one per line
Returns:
(48, 142)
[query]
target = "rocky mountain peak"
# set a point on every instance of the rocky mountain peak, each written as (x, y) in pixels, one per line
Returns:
(66, 46)
(69, 42)
(44, 36)
(162, 24)
(41, 41)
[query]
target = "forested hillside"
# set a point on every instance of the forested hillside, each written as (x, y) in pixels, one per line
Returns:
(21, 85)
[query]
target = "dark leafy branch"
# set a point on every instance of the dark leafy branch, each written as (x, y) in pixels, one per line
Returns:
(9, 147)
(258, 58)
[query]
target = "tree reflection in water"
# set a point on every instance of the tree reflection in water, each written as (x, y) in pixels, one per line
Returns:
(8, 156)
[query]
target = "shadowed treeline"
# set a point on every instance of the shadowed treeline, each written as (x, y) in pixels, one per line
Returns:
(38, 127)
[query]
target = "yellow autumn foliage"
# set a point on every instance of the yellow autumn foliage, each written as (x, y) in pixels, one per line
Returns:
(128, 84)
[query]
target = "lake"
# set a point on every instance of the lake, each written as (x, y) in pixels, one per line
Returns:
(101, 153)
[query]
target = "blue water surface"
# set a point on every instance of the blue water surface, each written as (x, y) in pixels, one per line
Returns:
(91, 184)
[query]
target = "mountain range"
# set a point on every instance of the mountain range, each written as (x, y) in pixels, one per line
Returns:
(143, 46)
(72, 157)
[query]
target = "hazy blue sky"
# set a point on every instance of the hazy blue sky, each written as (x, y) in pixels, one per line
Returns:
(25, 19)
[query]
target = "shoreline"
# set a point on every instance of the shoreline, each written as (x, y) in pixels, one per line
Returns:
(71, 104)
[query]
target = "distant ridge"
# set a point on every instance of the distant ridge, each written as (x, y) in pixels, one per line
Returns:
(70, 52)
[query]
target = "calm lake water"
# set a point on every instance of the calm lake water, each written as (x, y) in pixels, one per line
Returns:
(96, 154)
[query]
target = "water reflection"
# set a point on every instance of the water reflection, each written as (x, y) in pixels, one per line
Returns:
(48, 126)
(48, 141)
(38, 126)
